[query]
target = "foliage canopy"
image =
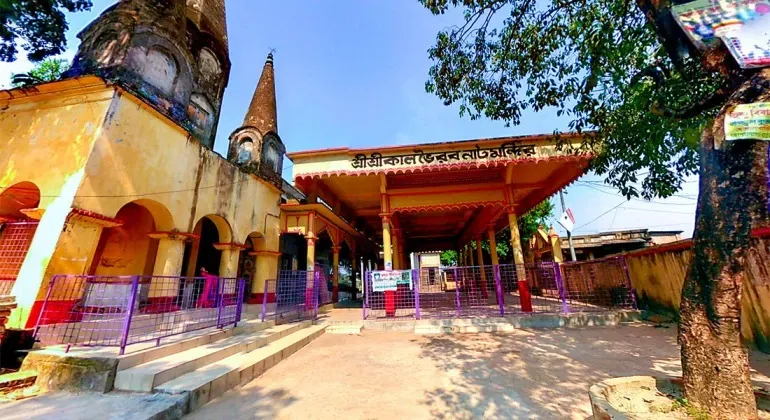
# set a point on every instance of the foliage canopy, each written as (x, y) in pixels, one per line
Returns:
(581, 58)
(39, 25)
(47, 70)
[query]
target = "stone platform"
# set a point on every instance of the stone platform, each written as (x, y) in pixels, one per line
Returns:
(342, 321)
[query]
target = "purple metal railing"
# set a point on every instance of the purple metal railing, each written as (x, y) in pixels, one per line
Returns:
(490, 291)
(400, 303)
(295, 295)
(124, 310)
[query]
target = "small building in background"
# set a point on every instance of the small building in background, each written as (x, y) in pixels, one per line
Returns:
(603, 244)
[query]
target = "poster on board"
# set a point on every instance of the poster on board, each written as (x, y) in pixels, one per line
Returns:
(748, 122)
(383, 281)
(743, 26)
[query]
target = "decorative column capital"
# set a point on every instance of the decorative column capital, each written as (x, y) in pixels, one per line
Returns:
(386, 217)
(222, 246)
(265, 253)
(174, 235)
(310, 240)
(86, 216)
(336, 249)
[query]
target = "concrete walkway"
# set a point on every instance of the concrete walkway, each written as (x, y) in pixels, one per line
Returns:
(385, 375)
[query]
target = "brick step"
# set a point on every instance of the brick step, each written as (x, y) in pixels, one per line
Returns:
(15, 381)
(151, 373)
(211, 381)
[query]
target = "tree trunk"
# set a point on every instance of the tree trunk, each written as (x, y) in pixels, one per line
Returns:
(731, 201)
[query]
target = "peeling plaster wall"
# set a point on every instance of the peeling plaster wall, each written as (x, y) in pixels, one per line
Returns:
(657, 278)
(47, 139)
(101, 149)
(143, 156)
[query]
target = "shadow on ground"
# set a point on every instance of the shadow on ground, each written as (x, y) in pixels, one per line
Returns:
(544, 373)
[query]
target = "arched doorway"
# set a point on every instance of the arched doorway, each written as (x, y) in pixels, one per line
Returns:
(202, 252)
(16, 230)
(127, 249)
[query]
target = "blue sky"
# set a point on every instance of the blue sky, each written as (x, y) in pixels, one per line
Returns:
(352, 73)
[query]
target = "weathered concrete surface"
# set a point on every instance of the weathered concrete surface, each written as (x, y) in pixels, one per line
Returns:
(384, 375)
(88, 406)
(338, 318)
(57, 372)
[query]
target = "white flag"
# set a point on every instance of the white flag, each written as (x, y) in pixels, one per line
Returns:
(567, 220)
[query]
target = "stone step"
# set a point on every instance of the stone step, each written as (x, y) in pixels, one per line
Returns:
(353, 328)
(211, 381)
(151, 373)
(462, 326)
(137, 354)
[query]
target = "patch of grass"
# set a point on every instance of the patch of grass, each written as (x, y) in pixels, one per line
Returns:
(693, 412)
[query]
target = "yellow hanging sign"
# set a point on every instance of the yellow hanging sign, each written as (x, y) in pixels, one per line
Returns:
(748, 122)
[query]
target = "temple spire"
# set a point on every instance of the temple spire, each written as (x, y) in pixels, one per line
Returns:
(262, 112)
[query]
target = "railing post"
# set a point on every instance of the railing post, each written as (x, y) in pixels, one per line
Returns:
(499, 290)
(457, 293)
(220, 289)
(416, 286)
(129, 314)
(560, 285)
(264, 298)
(630, 285)
(239, 301)
(45, 303)
(366, 291)
(316, 291)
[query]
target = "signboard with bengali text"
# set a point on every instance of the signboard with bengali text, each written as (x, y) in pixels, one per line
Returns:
(383, 281)
(748, 122)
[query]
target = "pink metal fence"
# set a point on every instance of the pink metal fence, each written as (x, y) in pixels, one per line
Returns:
(400, 303)
(124, 310)
(489, 291)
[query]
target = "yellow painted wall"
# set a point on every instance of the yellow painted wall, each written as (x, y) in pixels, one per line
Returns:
(88, 145)
(157, 163)
(658, 279)
(128, 249)
(46, 141)
(47, 136)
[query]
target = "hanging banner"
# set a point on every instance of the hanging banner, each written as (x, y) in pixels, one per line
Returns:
(383, 281)
(748, 122)
(567, 221)
(743, 26)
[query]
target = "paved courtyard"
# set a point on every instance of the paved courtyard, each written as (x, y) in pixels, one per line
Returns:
(385, 375)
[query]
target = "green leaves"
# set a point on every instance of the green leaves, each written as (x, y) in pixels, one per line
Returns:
(47, 70)
(39, 24)
(579, 57)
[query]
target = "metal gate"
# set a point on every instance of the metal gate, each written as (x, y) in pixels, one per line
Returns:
(294, 295)
(15, 240)
(491, 291)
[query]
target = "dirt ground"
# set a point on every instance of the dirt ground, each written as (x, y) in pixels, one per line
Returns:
(385, 375)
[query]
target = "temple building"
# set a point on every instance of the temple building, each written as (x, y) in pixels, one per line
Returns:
(110, 171)
(109, 175)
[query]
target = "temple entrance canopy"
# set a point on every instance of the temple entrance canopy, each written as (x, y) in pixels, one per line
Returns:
(431, 197)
